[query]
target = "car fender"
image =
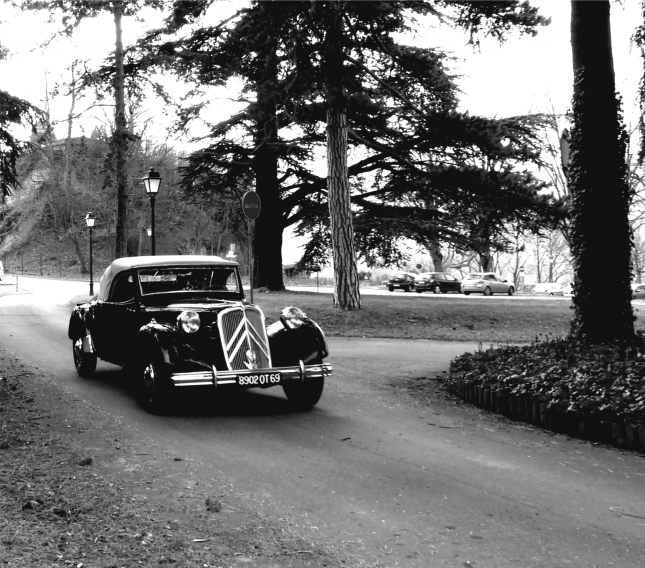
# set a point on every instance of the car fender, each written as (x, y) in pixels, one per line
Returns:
(79, 322)
(156, 338)
(288, 346)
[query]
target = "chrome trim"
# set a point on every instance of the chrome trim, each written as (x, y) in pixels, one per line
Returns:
(88, 344)
(246, 335)
(216, 378)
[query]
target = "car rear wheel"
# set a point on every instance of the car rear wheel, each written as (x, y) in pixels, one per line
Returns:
(391, 288)
(466, 293)
(511, 291)
(84, 362)
(304, 395)
(488, 291)
(154, 386)
(419, 291)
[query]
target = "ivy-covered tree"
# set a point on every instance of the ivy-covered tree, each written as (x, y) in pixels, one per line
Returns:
(598, 183)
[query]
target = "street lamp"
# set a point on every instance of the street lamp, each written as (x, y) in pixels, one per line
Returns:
(152, 183)
(89, 221)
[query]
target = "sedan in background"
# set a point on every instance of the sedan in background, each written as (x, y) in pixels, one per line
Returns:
(550, 288)
(638, 291)
(487, 283)
(401, 281)
(437, 282)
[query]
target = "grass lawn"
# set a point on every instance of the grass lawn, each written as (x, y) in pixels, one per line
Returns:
(454, 318)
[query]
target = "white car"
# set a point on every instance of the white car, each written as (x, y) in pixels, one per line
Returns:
(487, 283)
(550, 288)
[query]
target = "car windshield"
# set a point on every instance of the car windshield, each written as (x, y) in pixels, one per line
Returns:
(189, 279)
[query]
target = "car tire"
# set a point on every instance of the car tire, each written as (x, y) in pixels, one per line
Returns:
(419, 291)
(436, 289)
(406, 289)
(304, 395)
(84, 362)
(488, 291)
(511, 291)
(466, 293)
(391, 288)
(154, 386)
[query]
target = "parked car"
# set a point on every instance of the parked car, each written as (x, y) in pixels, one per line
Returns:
(487, 283)
(567, 289)
(550, 288)
(638, 291)
(401, 280)
(436, 282)
(177, 323)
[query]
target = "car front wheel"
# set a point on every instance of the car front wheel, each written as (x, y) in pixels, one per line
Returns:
(511, 290)
(466, 293)
(391, 288)
(84, 362)
(154, 386)
(304, 395)
(488, 291)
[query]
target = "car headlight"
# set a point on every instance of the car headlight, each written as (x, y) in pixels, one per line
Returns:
(189, 321)
(293, 317)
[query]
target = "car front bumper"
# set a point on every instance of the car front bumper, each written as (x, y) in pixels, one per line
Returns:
(251, 377)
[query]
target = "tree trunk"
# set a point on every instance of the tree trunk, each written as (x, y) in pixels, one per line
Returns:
(79, 252)
(486, 261)
(598, 184)
(346, 291)
(267, 240)
(437, 256)
(120, 139)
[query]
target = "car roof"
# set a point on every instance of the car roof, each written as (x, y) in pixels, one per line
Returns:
(132, 262)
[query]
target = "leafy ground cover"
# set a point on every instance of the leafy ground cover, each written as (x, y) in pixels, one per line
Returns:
(601, 382)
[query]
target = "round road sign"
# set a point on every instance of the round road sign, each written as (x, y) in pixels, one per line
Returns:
(251, 205)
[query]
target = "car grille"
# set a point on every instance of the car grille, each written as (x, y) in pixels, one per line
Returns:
(242, 329)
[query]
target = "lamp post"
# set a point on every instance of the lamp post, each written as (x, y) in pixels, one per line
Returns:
(152, 183)
(89, 221)
(149, 231)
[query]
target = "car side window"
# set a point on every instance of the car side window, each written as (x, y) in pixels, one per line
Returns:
(122, 288)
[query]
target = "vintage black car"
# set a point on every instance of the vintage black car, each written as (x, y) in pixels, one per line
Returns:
(176, 323)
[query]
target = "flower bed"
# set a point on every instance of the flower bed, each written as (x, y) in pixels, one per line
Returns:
(597, 392)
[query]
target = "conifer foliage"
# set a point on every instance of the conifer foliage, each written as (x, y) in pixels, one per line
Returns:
(317, 72)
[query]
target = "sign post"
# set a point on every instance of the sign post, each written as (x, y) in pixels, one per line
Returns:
(251, 207)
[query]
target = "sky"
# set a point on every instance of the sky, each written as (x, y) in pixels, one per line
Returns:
(523, 75)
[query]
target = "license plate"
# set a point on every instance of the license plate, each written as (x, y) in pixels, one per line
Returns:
(260, 379)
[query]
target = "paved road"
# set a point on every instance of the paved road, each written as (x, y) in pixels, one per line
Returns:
(412, 478)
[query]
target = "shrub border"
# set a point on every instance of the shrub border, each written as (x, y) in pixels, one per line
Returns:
(537, 412)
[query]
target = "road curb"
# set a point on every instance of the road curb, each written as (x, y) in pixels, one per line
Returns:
(537, 412)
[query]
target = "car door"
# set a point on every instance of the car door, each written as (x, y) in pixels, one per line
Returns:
(499, 284)
(116, 322)
(451, 284)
